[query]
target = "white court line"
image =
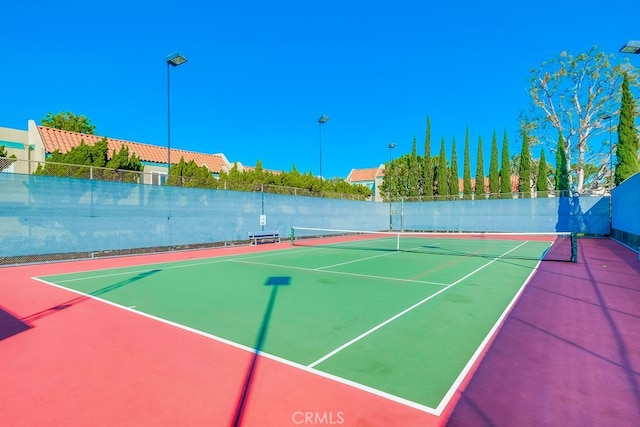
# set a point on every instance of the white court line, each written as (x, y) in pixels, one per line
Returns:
(472, 361)
(171, 266)
(342, 273)
(402, 313)
(287, 362)
(355, 260)
(392, 251)
(309, 368)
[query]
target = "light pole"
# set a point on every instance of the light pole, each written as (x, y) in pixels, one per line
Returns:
(172, 60)
(321, 120)
(632, 46)
(392, 145)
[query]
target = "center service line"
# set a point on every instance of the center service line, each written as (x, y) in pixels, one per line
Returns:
(375, 328)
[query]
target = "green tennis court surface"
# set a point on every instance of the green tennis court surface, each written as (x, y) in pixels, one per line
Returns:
(404, 324)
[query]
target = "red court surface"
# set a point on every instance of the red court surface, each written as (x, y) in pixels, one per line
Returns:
(82, 362)
(568, 354)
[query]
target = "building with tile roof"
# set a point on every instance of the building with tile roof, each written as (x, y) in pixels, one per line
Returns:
(31, 147)
(37, 142)
(370, 178)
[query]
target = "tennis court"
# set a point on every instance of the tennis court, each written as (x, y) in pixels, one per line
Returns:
(402, 316)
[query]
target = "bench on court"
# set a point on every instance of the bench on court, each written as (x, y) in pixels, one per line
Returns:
(263, 236)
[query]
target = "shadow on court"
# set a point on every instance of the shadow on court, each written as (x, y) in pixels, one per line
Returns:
(10, 325)
(275, 283)
(568, 352)
(57, 308)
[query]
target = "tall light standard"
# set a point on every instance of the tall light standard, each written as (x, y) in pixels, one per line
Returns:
(173, 60)
(321, 120)
(392, 145)
(632, 46)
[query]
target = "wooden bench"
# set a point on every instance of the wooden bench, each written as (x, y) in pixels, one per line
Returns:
(263, 236)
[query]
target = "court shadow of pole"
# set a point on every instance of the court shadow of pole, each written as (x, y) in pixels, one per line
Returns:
(81, 298)
(275, 282)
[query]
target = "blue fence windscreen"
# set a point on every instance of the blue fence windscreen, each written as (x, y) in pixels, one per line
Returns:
(51, 215)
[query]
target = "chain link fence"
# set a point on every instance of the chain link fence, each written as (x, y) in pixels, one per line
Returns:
(10, 165)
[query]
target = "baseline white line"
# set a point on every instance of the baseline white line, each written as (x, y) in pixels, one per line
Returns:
(309, 368)
(287, 362)
(342, 273)
(402, 313)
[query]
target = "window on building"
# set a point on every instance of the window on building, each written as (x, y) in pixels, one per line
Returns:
(158, 178)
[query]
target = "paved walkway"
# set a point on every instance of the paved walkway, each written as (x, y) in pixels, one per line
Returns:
(569, 352)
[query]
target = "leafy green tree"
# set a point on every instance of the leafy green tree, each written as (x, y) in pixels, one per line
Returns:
(524, 173)
(70, 122)
(479, 190)
(388, 186)
(562, 172)
(92, 161)
(454, 174)
(442, 173)
(542, 186)
(258, 180)
(466, 173)
(569, 93)
(627, 148)
(494, 172)
(414, 172)
(428, 164)
(505, 171)
(189, 174)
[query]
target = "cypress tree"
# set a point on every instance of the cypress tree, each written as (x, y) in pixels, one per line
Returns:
(428, 164)
(541, 182)
(442, 173)
(413, 172)
(627, 149)
(454, 174)
(524, 171)
(562, 173)
(505, 171)
(466, 174)
(479, 191)
(494, 172)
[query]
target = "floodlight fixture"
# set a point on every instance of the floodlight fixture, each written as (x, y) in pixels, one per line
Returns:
(392, 145)
(321, 120)
(176, 59)
(172, 60)
(632, 46)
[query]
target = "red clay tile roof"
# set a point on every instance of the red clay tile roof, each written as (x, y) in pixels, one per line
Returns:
(360, 175)
(56, 139)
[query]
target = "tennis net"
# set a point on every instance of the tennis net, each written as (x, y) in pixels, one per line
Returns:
(553, 246)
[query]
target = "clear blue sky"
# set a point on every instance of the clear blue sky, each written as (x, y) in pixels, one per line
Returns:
(261, 73)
